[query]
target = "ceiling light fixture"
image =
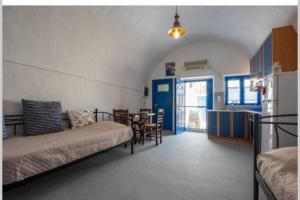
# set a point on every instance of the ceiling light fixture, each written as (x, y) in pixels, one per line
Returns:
(176, 31)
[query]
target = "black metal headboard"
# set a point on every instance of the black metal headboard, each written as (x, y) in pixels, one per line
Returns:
(278, 125)
(259, 120)
(17, 120)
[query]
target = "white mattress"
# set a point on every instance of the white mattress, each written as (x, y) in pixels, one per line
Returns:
(27, 156)
(278, 168)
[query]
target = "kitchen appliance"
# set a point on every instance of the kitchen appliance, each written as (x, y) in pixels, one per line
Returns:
(279, 97)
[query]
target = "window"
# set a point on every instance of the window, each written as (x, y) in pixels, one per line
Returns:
(233, 91)
(250, 97)
(237, 90)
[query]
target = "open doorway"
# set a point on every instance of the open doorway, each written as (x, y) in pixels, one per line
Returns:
(193, 98)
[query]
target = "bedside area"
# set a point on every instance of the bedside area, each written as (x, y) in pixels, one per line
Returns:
(228, 123)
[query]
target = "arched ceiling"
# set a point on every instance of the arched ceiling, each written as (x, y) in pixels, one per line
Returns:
(135, 37)
(244, 26)
(143, 29)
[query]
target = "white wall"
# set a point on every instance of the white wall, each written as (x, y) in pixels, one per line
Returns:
(223, 57)
(60, 54)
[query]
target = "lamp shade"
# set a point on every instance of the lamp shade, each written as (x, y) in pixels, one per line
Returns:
(176, 31)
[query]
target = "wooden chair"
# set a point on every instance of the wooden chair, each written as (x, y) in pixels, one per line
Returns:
(139, 127)
(146, 111)
(155, 129)
(121, 116)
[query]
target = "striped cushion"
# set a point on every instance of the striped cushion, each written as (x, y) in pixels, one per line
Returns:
(41, 117)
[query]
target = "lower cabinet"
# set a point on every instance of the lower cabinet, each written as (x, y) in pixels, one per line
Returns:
(239, 125)
(224, 121)
(212, 123)
(232, 124)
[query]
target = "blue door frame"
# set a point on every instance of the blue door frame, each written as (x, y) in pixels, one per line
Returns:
(162, 97)
(180, 106)
(209, 101)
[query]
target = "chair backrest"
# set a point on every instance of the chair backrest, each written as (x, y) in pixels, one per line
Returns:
(160, 117)
(146, 111)
(121, 116)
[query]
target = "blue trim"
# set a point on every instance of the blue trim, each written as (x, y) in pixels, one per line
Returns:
(242, 98)
(178, 129)
(209, 90)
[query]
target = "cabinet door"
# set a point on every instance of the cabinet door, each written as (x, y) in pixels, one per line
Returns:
(284, 47)
(251, 74)
(239, 124)
(251, 69)
(225, 124)
(261, 62)
(268, 56)
(256, 65)
(212, 123)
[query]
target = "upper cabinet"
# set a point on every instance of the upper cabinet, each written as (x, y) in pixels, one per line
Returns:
(279, 47)
(284, 41)
(268, 63)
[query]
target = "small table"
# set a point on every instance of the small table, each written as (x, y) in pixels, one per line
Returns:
(131, 118)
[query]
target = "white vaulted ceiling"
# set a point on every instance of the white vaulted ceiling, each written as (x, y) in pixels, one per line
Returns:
(128, 41)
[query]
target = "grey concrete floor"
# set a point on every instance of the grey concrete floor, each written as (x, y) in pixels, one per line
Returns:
(188, 166)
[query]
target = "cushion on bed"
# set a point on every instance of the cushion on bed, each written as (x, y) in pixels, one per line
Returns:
(278, 168)
(41, 117)
(81, 118)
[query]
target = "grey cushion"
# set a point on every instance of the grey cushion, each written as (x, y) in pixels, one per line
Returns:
(41, 117)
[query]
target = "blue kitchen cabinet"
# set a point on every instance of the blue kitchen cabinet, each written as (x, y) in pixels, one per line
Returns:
(239, 124)
(252, 69)
(251, 74)
(268, 56)
(224, 124)
(212, 123)
(261, 62)
(280, 46)
(256, 65)
(229, 124)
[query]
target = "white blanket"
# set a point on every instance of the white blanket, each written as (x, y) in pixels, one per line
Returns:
(279, 170)
(27, 156)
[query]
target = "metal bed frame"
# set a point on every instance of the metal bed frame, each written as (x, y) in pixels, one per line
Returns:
(17, 120)
(257, 119)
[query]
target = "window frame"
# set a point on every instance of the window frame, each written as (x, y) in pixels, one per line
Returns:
(241, 79)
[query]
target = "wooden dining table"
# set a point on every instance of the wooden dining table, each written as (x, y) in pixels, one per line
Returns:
(138, 115)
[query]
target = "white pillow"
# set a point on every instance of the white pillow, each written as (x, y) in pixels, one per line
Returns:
(81, 118)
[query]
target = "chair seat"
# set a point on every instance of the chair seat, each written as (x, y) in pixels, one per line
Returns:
(150, 125)
(139, 123)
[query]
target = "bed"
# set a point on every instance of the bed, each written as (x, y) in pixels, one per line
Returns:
(275, 170)
(26, 157)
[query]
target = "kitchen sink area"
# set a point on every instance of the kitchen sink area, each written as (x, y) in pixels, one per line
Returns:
(232, 123)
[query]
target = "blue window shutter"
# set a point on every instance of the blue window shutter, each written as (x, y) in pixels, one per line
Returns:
(209, 99)
(242, 90)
